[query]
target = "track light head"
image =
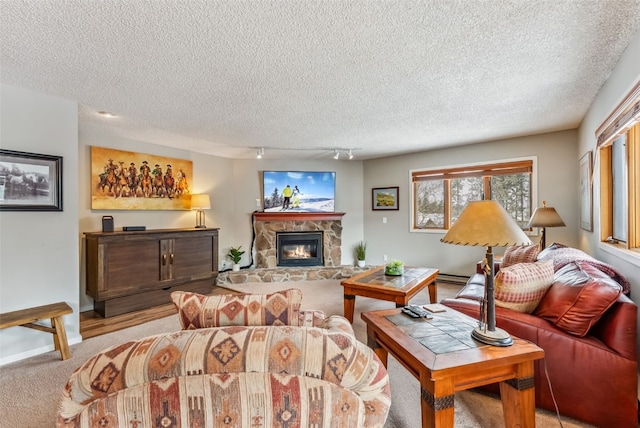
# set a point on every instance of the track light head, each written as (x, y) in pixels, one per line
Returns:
(350, 154)
(337, 155)
(260, 153)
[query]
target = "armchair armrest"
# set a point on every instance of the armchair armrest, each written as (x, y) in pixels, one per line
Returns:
(312, 318)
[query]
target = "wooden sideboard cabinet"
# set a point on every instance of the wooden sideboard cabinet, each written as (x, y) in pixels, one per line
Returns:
(130, 271)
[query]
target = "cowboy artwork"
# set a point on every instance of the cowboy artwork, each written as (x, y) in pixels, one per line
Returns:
(138, 181)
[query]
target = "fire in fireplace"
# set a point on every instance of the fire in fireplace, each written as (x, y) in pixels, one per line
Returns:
(299, 248)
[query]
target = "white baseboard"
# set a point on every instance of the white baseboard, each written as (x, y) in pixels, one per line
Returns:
(37, 351)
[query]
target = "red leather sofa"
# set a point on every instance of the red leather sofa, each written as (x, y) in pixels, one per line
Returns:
(593, 377)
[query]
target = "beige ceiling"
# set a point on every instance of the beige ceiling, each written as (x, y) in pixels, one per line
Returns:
(379, 77)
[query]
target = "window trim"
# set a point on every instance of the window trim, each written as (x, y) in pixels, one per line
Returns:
(624, 119)
(451, 171)
(621, 119)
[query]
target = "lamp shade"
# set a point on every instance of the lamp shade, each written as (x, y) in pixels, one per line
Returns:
(200, 202)
(545, 216)
(485, 224)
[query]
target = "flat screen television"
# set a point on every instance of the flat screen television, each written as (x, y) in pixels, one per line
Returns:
(298, 191)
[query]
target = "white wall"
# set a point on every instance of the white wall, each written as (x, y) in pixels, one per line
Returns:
(557, 183)
(38, 253)
(623, 78)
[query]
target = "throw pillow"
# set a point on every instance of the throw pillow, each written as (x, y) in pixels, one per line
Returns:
(578, 298)
(520, 287)
(199, 311)
(520, 254)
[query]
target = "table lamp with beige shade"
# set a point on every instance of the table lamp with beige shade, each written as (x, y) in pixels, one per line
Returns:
(544, 217)
(200, 202)
(487, 224)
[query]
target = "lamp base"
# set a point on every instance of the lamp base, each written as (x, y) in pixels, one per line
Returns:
(200, 220)
(498, 337)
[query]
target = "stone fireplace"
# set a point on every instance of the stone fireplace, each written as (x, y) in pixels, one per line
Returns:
(267, 226)
(266, 269)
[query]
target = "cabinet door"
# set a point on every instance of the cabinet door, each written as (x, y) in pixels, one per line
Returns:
(131, 265)
(194, 256)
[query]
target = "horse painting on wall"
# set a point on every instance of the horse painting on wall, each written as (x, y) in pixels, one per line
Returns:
(123, 180)
(30, 181)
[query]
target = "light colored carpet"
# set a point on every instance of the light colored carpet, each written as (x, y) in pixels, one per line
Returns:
(30, 389)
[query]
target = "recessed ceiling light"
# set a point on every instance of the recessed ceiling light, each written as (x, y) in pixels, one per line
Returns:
(106, 114)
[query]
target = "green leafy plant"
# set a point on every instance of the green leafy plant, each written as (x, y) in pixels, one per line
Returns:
(361, 250)
(235, 254)
(394, 267)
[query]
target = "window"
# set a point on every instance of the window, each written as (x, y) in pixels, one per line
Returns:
(440, 195)
(619, 154)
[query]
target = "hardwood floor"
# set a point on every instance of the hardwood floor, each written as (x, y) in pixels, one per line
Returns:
(93, 324)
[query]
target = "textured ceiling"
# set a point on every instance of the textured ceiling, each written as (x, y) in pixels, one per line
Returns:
(379, 77)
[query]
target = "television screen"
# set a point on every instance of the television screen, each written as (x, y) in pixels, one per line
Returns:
(298, 191)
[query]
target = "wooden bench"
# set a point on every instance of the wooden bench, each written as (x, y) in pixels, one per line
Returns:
(27, 318)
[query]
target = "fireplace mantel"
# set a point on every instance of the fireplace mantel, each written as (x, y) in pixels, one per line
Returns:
(296, 216)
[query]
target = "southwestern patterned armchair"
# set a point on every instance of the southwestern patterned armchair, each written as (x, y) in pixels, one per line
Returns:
(302, 370)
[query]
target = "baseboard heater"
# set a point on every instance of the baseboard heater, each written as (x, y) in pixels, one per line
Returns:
(452, 279)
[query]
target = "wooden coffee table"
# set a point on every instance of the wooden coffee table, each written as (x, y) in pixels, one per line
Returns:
(441, 354)
(399, 289)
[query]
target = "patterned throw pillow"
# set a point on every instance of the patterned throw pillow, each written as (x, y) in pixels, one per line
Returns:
(199, 311)
(520, 287)
(520, 254)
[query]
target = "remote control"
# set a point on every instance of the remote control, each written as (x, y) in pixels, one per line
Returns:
(422, 313)
(409, 313)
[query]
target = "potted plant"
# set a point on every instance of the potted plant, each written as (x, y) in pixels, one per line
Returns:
(394, 267)
(361, 253)
(235, 254)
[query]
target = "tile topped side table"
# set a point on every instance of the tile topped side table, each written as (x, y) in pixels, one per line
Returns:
(399, 289)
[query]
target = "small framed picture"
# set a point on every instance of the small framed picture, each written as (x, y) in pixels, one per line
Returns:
(30, 181)
(384, 198)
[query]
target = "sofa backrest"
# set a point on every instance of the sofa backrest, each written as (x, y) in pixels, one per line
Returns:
(320, 353)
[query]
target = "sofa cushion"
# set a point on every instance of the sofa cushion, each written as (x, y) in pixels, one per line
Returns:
(521, 286)
(520, 254)
(578, 298)
(199, 311)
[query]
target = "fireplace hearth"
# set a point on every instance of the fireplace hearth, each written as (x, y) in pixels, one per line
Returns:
(299, 249)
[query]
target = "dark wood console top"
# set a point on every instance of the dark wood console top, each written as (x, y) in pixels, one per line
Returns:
(296, 216)
(149, 231)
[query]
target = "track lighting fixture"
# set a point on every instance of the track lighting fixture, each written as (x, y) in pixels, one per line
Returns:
(348, 153)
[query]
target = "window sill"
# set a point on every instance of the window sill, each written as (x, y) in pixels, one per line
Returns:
(630, 256)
